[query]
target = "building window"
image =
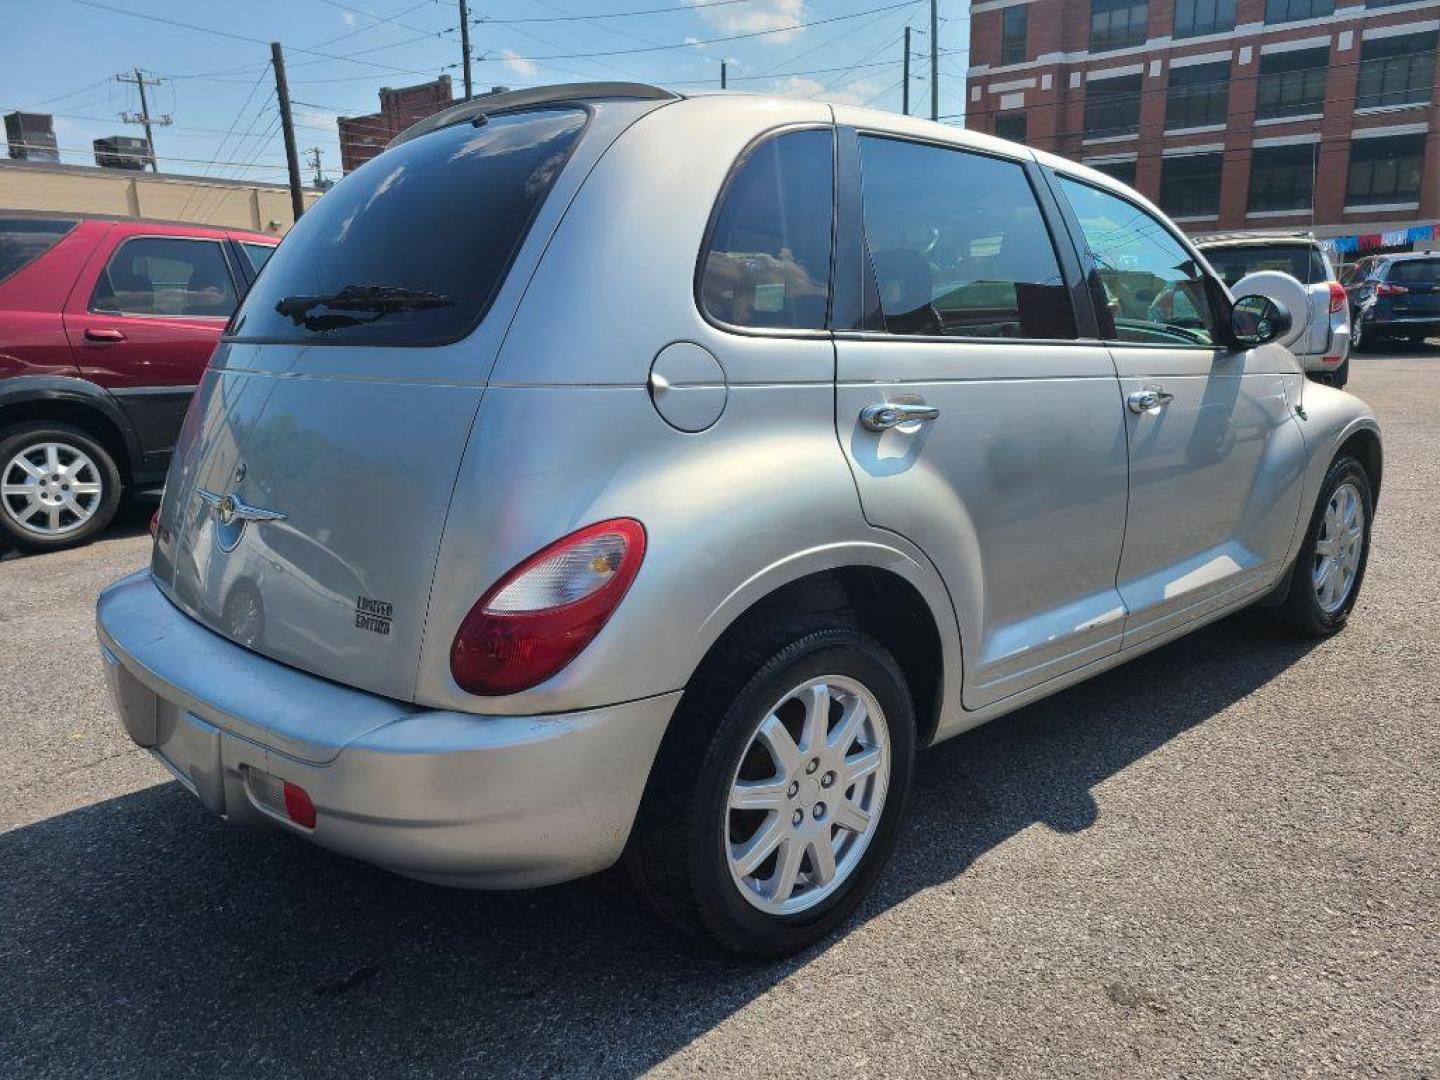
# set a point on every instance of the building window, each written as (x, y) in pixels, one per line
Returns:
(1385, 170)
(1292, 83)
(1194, 17)
(1282, 178)
(1112, 107)
(1396, 70)
(1190, 185)
(1014, 29)
(1011, 125)
(1384, 3)
(1124, 171)
(1117, 24)
(1197, 96)
(1283, 11)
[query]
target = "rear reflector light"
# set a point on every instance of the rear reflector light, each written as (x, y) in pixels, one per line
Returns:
(282, 798)
(1390, 290)
(1330, 359)
(154, 524)
(1337, 297)
(542, 614)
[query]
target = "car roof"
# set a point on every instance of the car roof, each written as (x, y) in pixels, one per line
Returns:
(140, 225)
(1254, 240)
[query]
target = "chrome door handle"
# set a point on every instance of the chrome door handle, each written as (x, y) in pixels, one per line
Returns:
(887, 415)
(1148, 399)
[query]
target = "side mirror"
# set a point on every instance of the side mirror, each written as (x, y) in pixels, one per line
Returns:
(1258, 320)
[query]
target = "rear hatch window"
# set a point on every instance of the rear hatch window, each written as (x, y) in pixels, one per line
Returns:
(1300, 261)
(412, 248)
(23, 240)
(1415, 272)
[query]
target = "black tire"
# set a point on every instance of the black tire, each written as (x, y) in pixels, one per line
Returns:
(1341, 375)
(676, 853)
(13, 442)
(1302, 613)
(1362, 335)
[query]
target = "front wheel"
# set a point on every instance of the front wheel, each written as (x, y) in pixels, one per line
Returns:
(1328, 572)
(776, 799)
(1362, 335)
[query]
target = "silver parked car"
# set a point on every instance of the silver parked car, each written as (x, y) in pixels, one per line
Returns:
(604, 473)
(1323, 349)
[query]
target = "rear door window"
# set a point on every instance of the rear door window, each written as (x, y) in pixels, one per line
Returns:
(958, 246)
(23, 240)
(157, 275)
(411, 248)
(257, 254)
(767, 264)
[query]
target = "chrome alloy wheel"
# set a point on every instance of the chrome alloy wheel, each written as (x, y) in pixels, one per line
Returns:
(1338, 548)
(807, 794)
(50, 488)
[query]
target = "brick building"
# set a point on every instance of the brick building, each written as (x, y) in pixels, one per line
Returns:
(1230, 114)
(362, 137)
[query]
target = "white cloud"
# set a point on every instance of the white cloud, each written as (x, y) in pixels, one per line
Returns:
(695, 41)
(319, 118)
(857, 92)
(517, 63)
(750, 17)
(348, 18)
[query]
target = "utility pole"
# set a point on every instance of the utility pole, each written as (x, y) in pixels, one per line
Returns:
(143, 117)
(934, 60)
(722, 75)
(465, 46)
(287, 124)
(905, 93)
(312, 158)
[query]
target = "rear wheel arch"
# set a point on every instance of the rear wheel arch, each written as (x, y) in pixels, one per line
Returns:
(875, 600)
(89, 416)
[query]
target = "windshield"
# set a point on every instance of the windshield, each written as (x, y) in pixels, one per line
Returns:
(411, 248)
(1300, 261)
(1415, 272)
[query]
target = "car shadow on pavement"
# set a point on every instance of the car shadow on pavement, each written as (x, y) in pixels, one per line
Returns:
(131, 519)
(140, 935)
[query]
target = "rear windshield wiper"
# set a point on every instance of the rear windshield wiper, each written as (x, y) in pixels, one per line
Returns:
(379, 300)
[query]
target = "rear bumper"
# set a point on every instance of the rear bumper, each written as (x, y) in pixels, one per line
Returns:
(450, 797)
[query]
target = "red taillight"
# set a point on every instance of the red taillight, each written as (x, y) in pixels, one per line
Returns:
(154, 524)
(542, 614)
(298, 807)
(1337, 297)
(1390, 290)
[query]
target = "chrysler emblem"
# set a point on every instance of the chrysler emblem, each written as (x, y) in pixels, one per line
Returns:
(232, 513)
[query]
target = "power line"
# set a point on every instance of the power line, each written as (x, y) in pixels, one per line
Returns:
(705, 41)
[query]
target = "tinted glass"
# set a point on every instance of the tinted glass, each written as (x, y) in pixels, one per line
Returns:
(1385, 170)
(768, 264)
(152, 275)
(23, 240)
(1282, 177)
(422, 236)
(1116, 24)
(1015, 27)
(258, 254)
(958, 246)
(1203, 17)
(1112, 106)
(1190, 185)
(1292, 83)
(1415, 272)
(1011, 125)
(1197, 95)
(1300, 261)
(1124, 171)
(1154, 292)
(1279, 11)
(1396, 70)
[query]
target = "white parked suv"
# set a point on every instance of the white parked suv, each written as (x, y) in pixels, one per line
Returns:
(1324, 348)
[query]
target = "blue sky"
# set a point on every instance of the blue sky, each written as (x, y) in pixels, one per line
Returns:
(60, 56)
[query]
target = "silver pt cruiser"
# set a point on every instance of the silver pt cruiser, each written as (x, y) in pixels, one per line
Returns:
(602, 473)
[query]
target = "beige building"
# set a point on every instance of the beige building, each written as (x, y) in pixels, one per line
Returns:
(202, 200)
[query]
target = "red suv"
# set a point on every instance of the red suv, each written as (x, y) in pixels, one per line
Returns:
(105, 328)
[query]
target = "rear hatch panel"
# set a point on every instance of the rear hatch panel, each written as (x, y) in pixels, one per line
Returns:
(311, 484)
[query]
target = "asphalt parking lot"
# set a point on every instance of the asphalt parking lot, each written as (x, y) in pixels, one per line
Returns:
(1222, 859)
